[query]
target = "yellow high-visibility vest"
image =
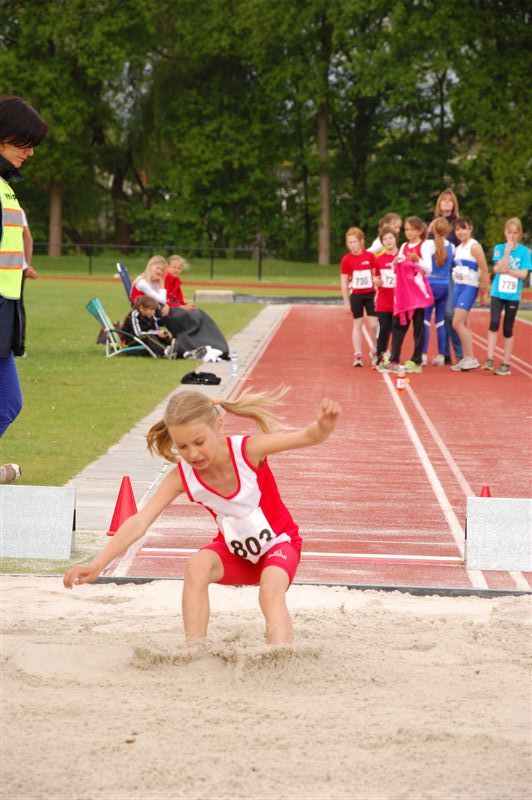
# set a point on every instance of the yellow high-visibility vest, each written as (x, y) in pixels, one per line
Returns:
(11, 243)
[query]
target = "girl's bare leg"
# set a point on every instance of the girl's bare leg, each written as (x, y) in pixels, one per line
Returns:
(203, 568)
(373, 325)
(461, 326)
(357, 335)
(272, 598)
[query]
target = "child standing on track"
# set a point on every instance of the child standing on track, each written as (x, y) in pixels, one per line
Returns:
(358, 291)
(384, 280)
(471, 277)
(412, 295)
(258, 542)
(511, 263)
(392, 221)
(439, 279)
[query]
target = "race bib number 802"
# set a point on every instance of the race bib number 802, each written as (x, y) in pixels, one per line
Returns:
(250, 537)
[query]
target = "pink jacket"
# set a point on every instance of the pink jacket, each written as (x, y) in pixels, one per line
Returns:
(412, 290)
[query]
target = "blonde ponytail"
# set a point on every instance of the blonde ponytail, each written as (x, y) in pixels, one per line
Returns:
(189, 407)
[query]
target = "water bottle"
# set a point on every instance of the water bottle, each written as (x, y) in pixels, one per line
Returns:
(400, 381)
(234, 363)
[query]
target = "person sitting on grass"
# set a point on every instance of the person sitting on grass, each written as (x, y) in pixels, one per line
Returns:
(258, 542)
(173, 283)
(142, 323)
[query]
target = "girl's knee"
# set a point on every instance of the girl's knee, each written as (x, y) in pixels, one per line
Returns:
(273, 586)
(203, 567)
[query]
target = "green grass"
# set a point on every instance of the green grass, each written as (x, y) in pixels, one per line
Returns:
(230, 270)
(525, 314)
(77, 402)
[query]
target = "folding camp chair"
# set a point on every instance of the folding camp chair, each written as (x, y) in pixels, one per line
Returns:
(125, 278)
(114, 345)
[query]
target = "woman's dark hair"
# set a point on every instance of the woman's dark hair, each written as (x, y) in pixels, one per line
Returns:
(20, 124)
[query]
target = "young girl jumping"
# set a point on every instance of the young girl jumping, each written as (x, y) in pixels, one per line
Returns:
(258, 542)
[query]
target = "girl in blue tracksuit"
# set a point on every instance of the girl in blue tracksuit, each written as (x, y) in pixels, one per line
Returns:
(439, 279)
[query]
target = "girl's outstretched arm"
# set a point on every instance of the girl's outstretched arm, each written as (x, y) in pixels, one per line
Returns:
(132, 529)
(263, 444)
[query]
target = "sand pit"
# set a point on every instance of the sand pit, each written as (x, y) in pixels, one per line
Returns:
(383, 696)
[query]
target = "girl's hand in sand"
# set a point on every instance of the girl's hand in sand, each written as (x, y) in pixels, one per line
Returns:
(81, 573)
(328, 415)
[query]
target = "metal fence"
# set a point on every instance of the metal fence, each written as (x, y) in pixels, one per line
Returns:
(213, 255)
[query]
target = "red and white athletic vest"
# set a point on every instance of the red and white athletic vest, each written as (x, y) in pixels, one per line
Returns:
(254, 518)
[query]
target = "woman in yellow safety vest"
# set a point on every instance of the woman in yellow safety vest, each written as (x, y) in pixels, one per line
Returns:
(21, 129)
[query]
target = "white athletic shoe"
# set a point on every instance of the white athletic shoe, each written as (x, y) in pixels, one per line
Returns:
(438, 361)
(470, 363)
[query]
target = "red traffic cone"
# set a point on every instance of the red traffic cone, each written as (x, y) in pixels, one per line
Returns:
(485, 491)
(125, 506)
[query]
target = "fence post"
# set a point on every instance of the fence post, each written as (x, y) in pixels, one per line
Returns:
(260, 263)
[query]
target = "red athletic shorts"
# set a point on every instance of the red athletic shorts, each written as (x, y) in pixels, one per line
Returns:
(239, 572)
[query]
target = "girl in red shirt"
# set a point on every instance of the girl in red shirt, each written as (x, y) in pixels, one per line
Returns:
(384, 281)
(358, 291)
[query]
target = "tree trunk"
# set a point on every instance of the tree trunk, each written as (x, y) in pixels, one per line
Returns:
(120, 203)
(54, 228)
(324, 221)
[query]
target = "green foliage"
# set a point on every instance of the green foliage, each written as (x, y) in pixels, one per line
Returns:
(196, 122)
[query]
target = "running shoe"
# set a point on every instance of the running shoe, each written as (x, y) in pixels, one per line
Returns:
(438, 361)
(488, 364)
(504, 369)
(469, 364)
(9, 473)
(458, 366)
(357, 362)
(388, 366)
(413, 368)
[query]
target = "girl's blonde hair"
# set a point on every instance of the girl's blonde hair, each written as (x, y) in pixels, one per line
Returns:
(356, 232)
(389, 219)
(183, 261)
(514, 221)
(154, 260)
(447, 193)
(440, 228)
(190, 407)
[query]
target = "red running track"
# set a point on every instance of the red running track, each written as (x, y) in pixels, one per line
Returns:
(382, 502)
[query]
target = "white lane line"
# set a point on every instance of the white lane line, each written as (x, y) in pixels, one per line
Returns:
(453, 466)
(307, 554)
(448, 511)
(515, 361)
